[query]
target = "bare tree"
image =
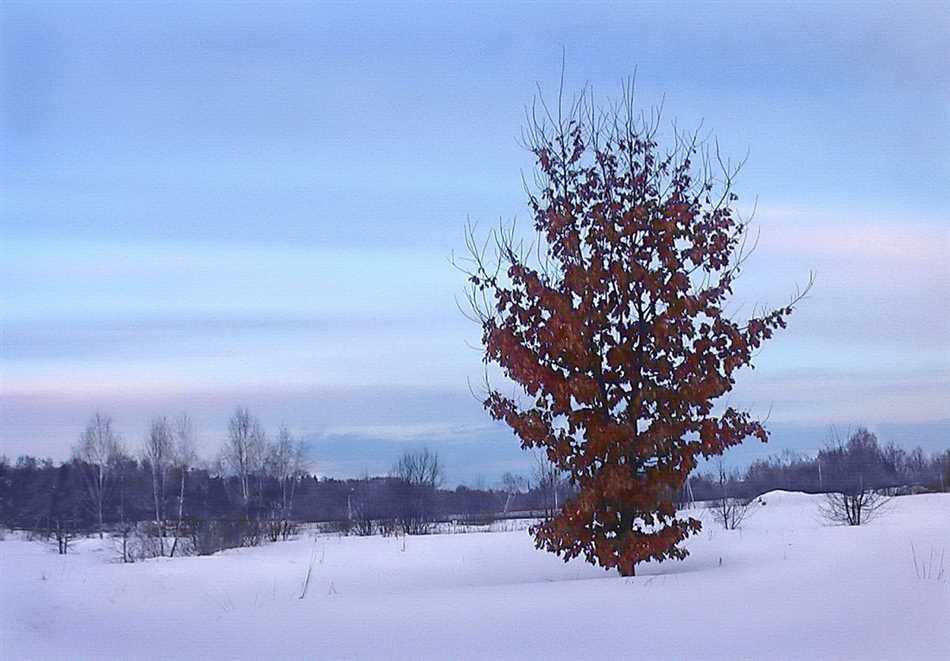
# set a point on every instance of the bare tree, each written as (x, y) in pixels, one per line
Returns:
(729, 510)
(856, 474)
(853, 507)
(286, 462)
(942, 466)
(917, 465)
(64, 534)
(419, 474)
(550, 480)
(159, 452)
(422, 468)
(512, 485)
(99, 449)
(363, 506)
(243, 450)
(185, 455)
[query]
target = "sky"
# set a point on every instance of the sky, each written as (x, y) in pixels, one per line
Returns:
(206, 205)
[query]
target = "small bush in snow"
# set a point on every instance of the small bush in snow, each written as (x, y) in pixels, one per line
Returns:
(135, 542)
(853, 507)
(280, 530)
(731, 512)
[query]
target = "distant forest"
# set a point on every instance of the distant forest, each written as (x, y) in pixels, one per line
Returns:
(860, 462)
(106, 488)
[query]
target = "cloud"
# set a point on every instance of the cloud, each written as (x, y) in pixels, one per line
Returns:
(74, 280)
(868, 238)
(47, 422)
(826, 395)
(410, 433)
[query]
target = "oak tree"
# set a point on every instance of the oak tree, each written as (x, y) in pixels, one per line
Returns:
(613, 324)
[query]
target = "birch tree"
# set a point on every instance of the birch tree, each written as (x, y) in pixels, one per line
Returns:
(159, 453)
(98, 450)
(285, 463)
(185, 456)
(243, 450)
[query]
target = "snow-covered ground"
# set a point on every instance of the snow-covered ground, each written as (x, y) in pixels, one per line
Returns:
(786, 586)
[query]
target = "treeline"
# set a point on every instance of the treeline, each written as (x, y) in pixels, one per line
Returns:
(35, 494)
(859, 464)
(256, 486)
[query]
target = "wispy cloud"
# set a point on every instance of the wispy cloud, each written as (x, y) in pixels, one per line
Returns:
(412, 433)
(828, 395)
(862, 237)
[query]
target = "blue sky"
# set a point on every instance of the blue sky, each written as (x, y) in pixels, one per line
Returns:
(212, 204)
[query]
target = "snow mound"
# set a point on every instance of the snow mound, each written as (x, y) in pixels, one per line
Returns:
(789, 498)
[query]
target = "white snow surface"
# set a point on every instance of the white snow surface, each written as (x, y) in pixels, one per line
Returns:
(786, 586)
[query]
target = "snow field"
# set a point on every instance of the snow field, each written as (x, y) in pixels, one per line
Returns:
(786, 586)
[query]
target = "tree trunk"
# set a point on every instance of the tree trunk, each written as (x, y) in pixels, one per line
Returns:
(100, 496)
(181, 496)
(630, 570)
(159, 525)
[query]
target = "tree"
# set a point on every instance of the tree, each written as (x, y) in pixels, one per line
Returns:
(856, 473)
(549, 480)
(61, 507)
(62, 510)
(419, 474)
(854, 506)
(99, 449)
(614, 324)
(512, 485)
(6, 491)
(286, 461)
(728, 509)
(422, 468)
(942, 467)
(184, 457)
(243, 450)
(159, 452)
